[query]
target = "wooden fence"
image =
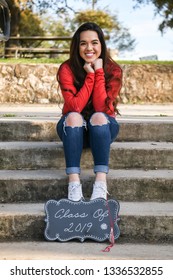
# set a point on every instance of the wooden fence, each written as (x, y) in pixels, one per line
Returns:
(18, 51)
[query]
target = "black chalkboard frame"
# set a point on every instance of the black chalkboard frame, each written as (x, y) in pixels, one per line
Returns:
(110, 219)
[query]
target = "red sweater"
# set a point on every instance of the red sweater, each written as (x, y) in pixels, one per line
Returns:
(94, 87)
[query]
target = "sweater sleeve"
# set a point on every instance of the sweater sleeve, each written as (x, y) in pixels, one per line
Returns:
(74, 100)
(102, 91)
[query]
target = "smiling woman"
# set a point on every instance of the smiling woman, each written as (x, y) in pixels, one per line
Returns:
(90, 82)
(90, 46)
(4, 21)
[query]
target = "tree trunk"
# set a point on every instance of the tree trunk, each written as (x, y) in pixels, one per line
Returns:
(14, 26)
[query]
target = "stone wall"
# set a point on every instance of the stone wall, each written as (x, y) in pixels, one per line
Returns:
(36, 83)
(147, 84)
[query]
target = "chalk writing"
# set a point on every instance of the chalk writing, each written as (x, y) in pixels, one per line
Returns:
(79, 227)
(66, 219)
(62, 213)
(100, 214)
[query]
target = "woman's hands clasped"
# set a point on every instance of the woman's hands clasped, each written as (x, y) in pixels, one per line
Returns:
(91, 67)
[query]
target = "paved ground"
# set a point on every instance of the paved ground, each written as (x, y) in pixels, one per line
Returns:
(83, 251)
(53, 110)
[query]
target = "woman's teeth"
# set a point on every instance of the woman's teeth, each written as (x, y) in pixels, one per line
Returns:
(89, 54)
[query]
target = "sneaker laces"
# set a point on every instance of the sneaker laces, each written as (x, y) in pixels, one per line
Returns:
(99, 190)
(75, 191)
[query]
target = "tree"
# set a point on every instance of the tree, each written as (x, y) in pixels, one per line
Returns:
(30, 25)
(54, 27)
(92, 2)
(18, 8)
(120, 37)
(23, 20)
(15, 16)
(163, 8)
(22, 15)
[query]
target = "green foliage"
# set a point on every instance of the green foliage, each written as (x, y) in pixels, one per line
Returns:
(163, 8)
(30, 25)
(60, 60)
(154, 62)
(9, 115)
(120, 37)
(32, 61)
(103, 19)
(27, 23)
(56, 28)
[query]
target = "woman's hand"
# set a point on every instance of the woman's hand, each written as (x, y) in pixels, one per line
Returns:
(97, 64)
(88, 68)
(93, 66)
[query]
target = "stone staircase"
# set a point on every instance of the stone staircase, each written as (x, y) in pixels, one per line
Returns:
(141, 178)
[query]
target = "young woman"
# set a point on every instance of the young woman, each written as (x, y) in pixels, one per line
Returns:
(90, 82)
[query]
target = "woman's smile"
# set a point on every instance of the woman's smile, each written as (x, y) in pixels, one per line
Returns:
(89, 46)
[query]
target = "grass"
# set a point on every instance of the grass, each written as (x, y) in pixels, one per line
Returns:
(60, 60)
(9, 115)
(154, 62)
(30, 60)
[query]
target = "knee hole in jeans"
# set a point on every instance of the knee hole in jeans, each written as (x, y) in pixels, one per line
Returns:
(74, 119)
(98, 118)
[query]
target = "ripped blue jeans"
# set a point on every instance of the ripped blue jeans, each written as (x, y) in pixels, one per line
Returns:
(96, 137)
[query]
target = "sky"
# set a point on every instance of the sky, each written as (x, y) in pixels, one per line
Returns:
(143, 26)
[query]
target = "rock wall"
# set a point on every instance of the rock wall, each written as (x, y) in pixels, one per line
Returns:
(36, 83)
(147, 83)
(28, 83)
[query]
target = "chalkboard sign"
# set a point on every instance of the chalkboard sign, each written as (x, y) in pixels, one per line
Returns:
(95, 219)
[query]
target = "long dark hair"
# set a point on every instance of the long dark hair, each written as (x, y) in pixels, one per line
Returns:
(75, 61)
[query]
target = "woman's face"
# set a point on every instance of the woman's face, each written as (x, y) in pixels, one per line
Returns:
(89, 46)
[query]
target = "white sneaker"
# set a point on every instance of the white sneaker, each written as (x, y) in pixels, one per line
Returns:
(99, 190)
(75, 191)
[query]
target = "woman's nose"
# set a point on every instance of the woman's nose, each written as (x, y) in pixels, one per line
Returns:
(89, 47)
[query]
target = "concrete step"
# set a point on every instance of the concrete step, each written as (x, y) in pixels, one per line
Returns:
(40, 155)
(124, 185)
(139, 129)
(54, 110)
(83, 251)
(141, 178)
(139, 222)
